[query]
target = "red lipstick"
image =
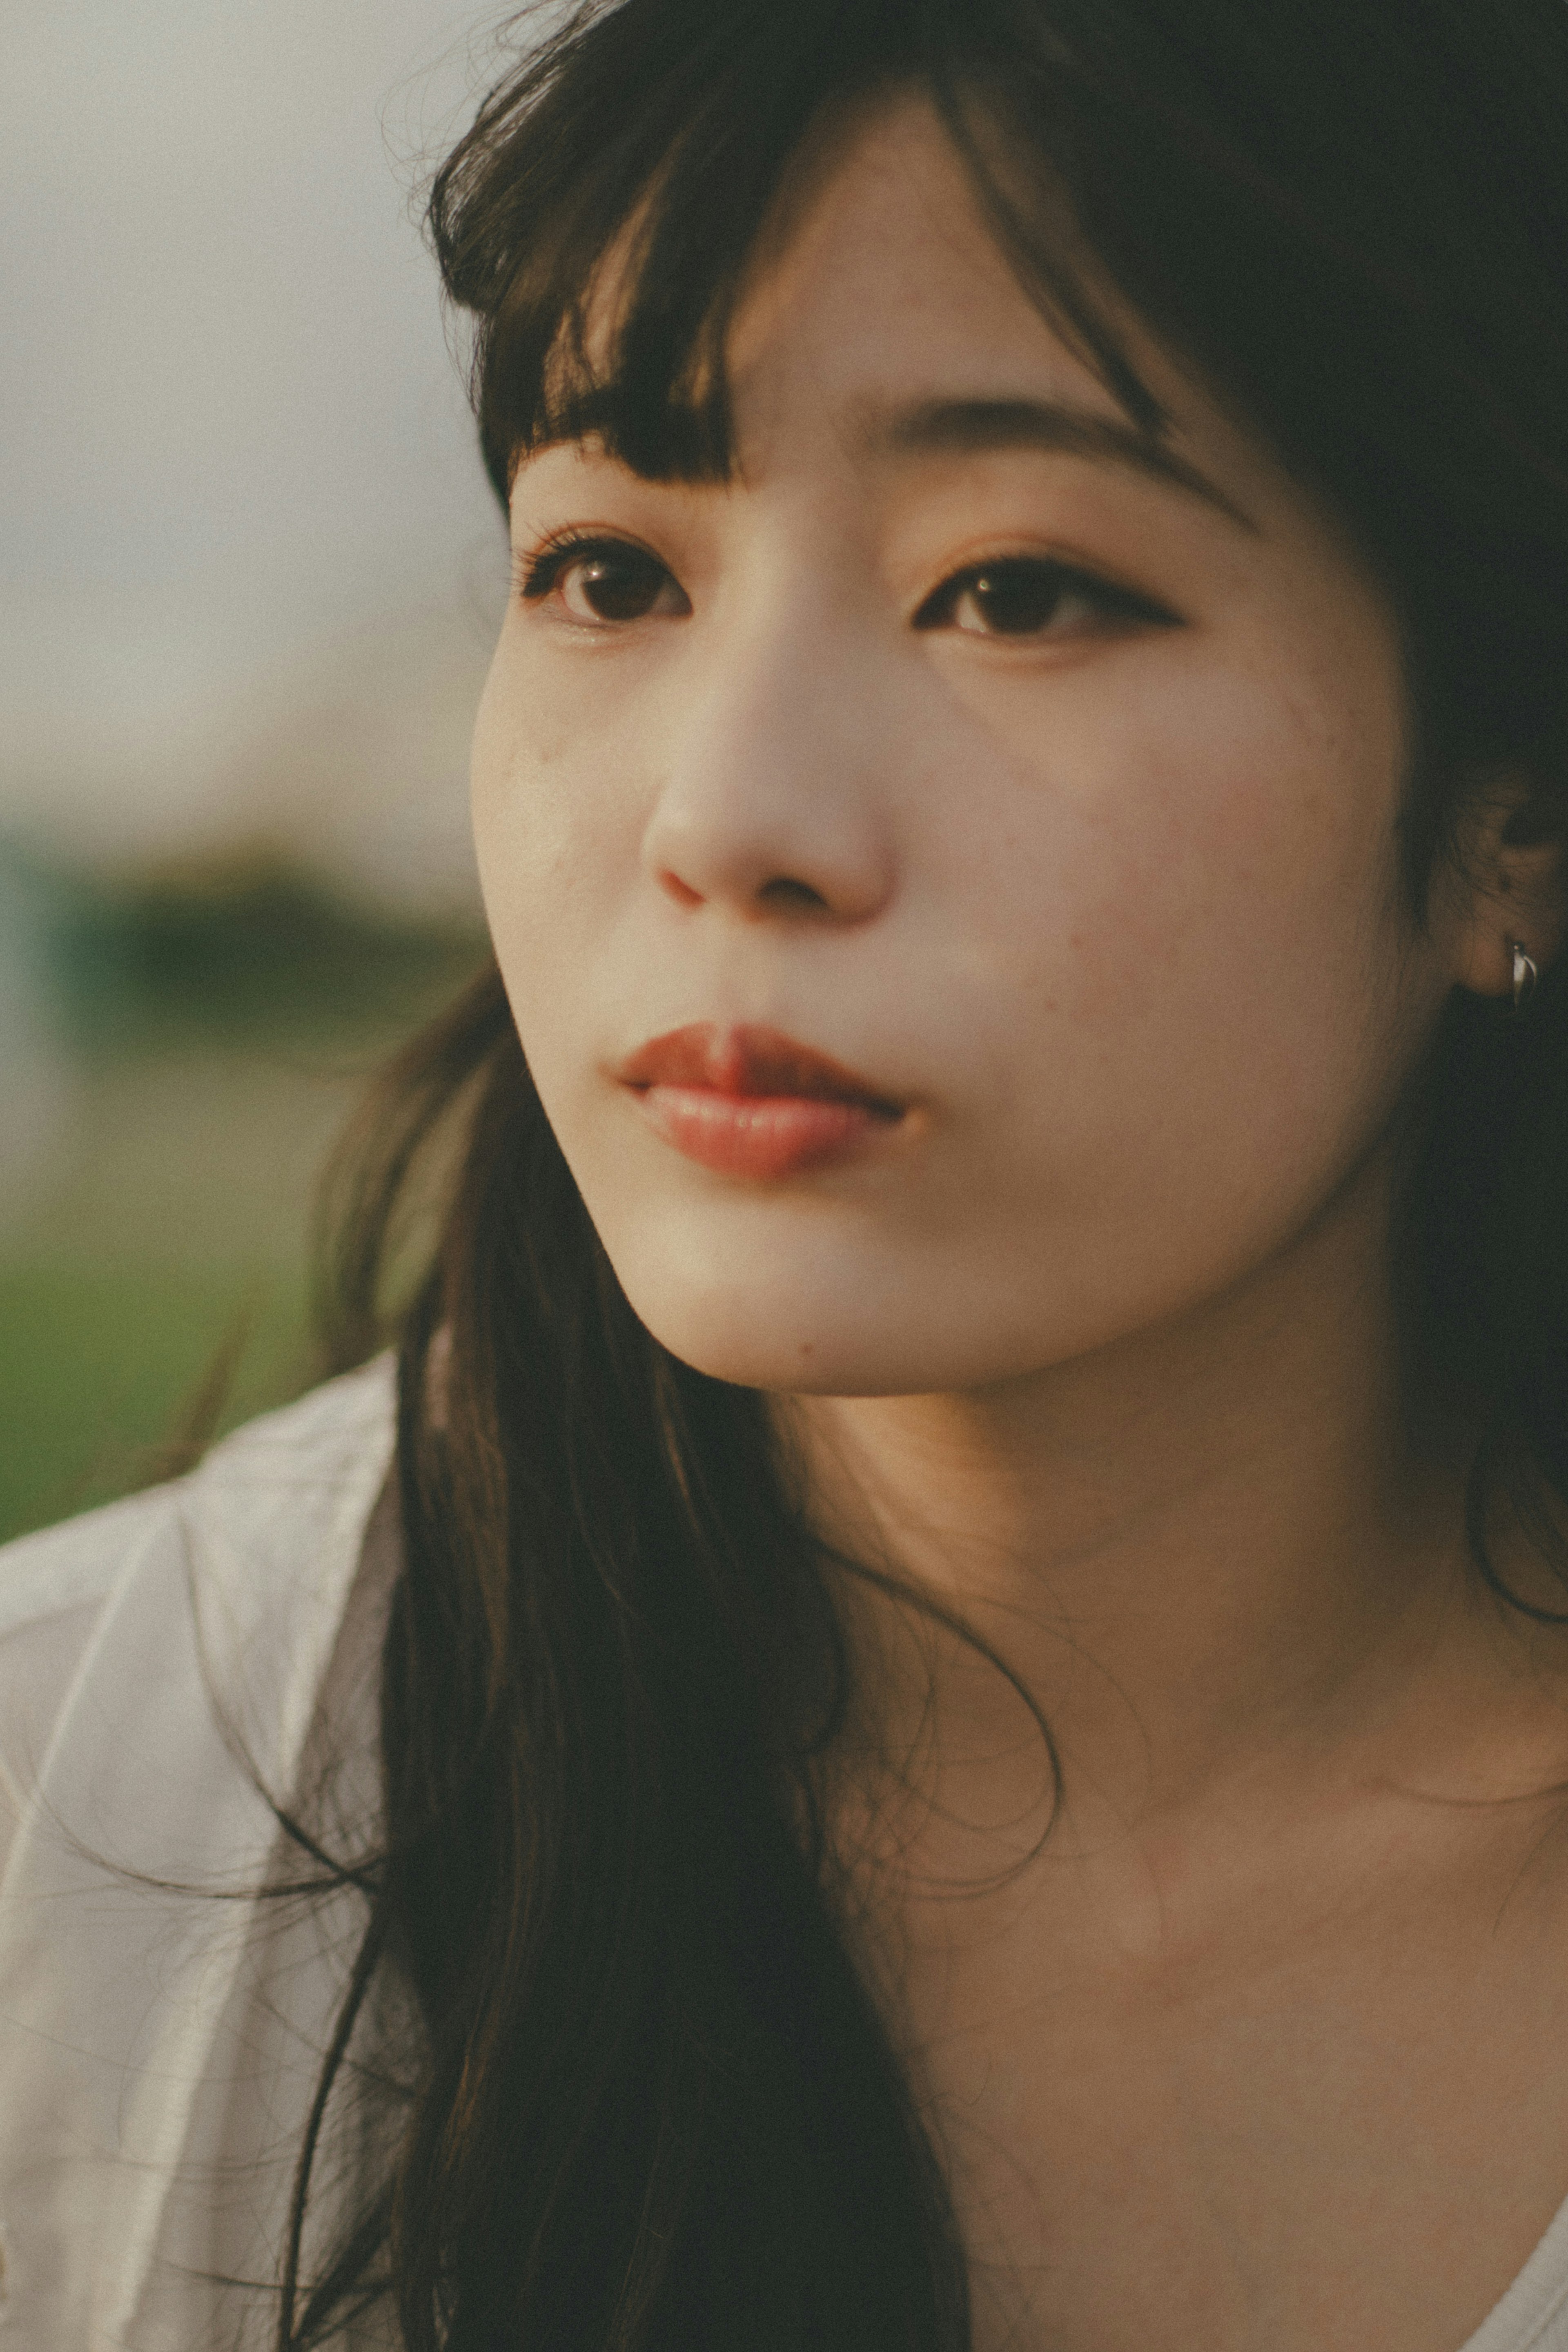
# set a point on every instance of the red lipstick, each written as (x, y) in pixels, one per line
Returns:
(753, 1102)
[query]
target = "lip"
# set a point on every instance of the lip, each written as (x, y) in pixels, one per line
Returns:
(751, 1101)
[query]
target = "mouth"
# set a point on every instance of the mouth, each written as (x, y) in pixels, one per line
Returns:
(751, 1101)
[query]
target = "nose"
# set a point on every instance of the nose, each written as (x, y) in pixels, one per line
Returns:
(770, 805)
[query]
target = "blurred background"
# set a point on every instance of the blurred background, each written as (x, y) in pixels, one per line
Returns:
(249, 577)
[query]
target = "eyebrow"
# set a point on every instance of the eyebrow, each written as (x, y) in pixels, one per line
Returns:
(976, 427)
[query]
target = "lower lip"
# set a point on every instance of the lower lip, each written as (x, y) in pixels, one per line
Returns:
(760, 1135)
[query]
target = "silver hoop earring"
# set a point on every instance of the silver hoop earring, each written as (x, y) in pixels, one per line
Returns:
(1524, 976)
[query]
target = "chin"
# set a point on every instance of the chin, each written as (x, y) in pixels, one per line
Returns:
(755, 1340)
(840, 1323)
(766, 1322)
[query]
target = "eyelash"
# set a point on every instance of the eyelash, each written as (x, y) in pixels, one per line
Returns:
(538, 575)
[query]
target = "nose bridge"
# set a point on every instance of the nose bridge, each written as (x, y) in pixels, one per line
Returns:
(767, 795)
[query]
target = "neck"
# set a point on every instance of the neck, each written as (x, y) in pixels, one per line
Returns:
(1204, 1546)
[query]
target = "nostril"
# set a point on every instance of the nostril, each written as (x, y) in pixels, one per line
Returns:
(787, 892)
(681, 892)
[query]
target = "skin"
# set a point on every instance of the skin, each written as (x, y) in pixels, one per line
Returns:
(1261, 2047)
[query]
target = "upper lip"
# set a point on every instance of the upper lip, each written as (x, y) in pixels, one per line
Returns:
(749, 1060)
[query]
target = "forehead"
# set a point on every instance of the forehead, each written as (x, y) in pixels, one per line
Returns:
(883, 257)
(878, 293)
(879, 298)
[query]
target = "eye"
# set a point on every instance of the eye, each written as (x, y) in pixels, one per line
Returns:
(1029, 596)
(601, 580)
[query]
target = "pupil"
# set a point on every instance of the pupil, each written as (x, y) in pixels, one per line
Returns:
(619, 589)
(1016, 599)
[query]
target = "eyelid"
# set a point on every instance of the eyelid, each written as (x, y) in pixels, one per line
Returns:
(536, 570)
(1114, 596)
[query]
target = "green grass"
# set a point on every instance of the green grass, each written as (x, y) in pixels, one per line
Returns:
(99, 1365)
(214, 1040)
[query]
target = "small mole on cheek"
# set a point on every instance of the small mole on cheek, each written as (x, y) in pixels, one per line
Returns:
(806, 1348)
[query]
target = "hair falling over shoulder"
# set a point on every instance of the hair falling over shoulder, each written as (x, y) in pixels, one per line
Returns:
(650, 2105)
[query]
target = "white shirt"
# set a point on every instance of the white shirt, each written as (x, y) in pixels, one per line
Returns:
(159, 2048)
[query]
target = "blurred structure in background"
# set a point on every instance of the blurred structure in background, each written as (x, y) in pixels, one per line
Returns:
(249, 576)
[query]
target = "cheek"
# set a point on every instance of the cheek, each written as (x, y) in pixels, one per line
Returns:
(1187, 898)
(1210, 828)
(548, 845)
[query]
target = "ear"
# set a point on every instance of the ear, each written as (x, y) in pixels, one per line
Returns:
(1508, 887)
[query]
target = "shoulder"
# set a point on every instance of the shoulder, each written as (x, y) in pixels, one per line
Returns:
(63, 1569)
(272, 1476)
(260, 1541)
(194, 1641)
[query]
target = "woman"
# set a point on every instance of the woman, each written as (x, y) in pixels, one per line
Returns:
(950, 1727)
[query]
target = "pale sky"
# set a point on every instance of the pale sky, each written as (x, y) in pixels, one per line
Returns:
(238, 478)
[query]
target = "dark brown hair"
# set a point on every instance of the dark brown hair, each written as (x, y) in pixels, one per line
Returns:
(647, 2101)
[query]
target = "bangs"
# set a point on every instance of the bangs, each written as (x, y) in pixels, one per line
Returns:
(1264, 198)
(637, 232)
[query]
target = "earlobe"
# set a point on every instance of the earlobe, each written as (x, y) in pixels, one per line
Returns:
(1525, 976)
(1511, 885)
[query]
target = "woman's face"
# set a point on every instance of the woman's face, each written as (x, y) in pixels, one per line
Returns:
(1050, 795)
